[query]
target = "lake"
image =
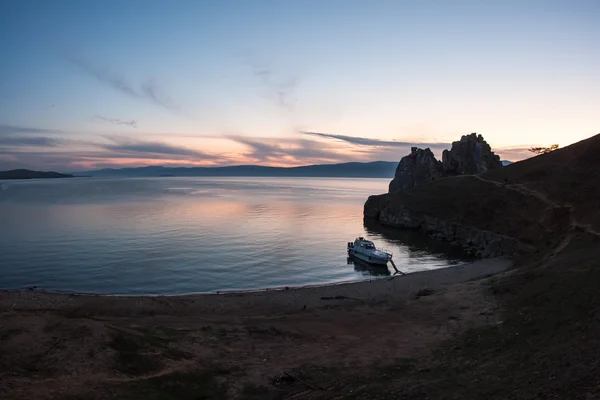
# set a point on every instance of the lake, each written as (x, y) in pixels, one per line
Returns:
(192, 235)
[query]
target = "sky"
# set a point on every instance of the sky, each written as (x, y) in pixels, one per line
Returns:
(87, 85)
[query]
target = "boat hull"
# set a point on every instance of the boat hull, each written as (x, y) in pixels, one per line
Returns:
(368, 258)
(371, 269)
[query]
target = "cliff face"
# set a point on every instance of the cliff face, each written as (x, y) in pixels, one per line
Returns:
(504, 211)
(474, 240)
(470, 155)
(419, 167)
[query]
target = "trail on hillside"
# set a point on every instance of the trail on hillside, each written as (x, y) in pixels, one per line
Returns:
(518, 187)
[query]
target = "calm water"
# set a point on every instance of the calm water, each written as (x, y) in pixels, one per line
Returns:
(184, 235)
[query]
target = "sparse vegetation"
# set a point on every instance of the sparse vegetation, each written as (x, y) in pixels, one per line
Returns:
(543, 150)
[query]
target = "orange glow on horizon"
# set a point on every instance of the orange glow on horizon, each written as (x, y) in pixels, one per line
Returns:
(343, 154)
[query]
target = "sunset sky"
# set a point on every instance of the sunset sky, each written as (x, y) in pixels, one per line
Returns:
(94, 84)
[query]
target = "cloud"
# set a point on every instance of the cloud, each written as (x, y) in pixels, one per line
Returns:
(120, 152)
(14, 129)
(281, 90)
(276, 149)
(36, 141)
(153, 91)
(389, 150)
(117, 121)
(376, 142)
(148, 90)
(106, 76)
(125, 145)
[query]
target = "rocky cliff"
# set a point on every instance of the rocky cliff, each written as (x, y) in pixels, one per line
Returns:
(476, 240)
(490, 217)
(470, 155)
(419, 167)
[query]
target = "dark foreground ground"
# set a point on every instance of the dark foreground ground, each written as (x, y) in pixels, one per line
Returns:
(276, 344)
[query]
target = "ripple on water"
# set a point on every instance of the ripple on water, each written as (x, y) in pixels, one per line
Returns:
(189, 235)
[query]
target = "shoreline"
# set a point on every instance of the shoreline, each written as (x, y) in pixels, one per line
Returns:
(262, 301)
(105, 346)
(391, 276)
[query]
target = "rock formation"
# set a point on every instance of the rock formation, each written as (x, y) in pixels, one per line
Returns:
(418, 167)
(417, 208)
(470, 155)
(478, 242)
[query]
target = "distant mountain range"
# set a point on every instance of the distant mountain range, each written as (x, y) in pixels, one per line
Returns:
(28, 174)
(377, 169)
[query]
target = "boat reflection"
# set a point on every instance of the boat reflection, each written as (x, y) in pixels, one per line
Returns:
(368, 269)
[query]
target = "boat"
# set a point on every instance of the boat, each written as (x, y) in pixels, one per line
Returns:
(365, 250)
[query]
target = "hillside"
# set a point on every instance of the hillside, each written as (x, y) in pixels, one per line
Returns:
(28, 174)
(545, 345)
(543, 198)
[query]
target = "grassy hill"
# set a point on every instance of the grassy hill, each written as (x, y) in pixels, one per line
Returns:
(546, 344)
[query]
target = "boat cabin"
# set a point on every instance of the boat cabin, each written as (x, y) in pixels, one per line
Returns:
(364, 243)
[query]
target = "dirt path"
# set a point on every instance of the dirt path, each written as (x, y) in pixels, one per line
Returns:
(523, 190)
(541, 196)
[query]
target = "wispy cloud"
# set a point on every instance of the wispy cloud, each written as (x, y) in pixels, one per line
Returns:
(361, 141)
(132, 123)
(35, 141)
(126, 145)
(72, 155)
(276, 150)
(106, 75)
(148, 90)
(152, 90)
(281, 90)
(15, 129)
(390, 149)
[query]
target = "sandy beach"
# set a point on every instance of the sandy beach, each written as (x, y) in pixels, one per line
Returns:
(234, 345)
(262, 302)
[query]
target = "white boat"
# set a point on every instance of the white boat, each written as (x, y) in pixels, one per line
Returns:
(365, 250)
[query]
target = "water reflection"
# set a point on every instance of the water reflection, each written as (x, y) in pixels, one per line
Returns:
(182, 235)
(368, 269)
(414, 242)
